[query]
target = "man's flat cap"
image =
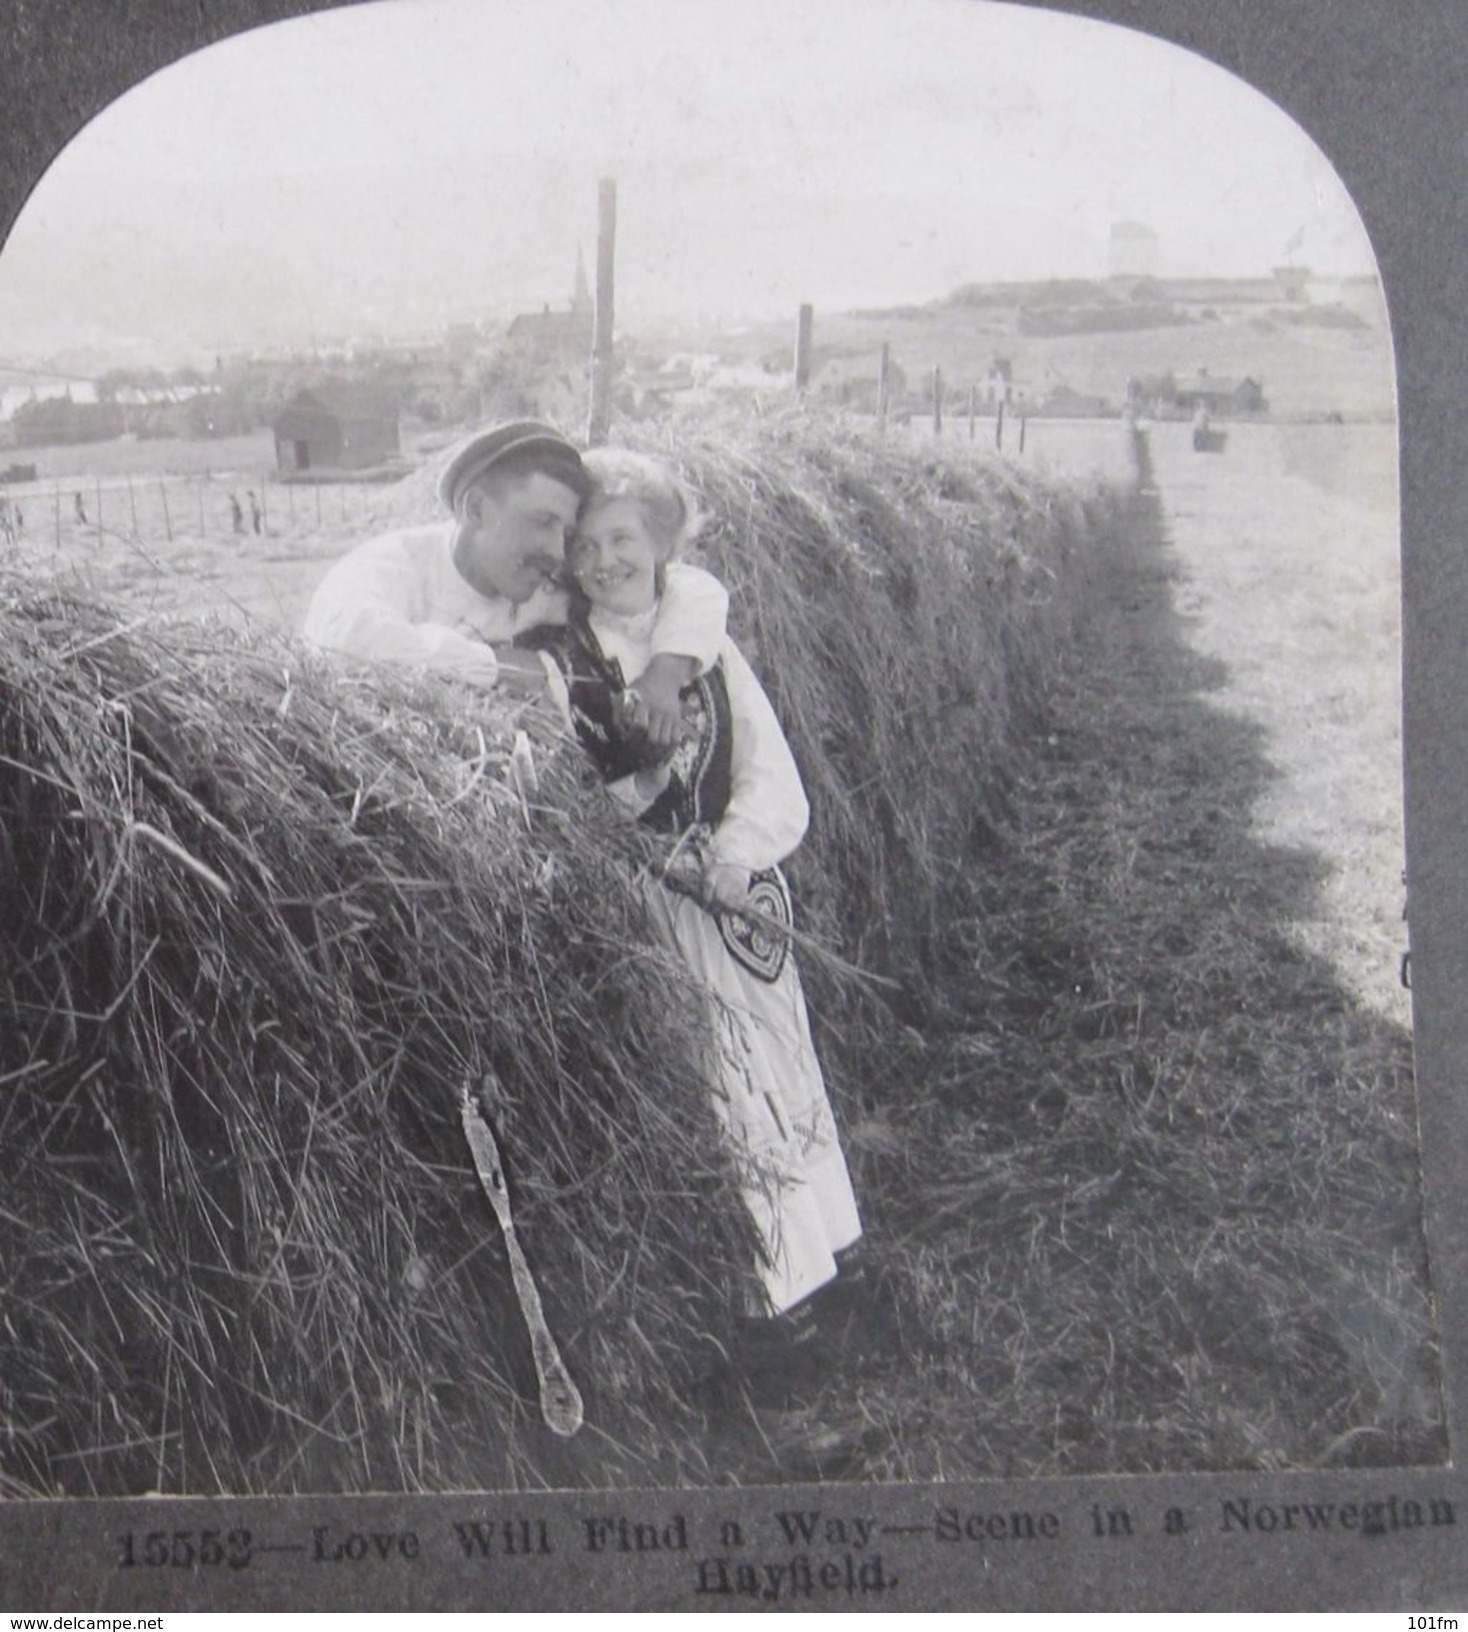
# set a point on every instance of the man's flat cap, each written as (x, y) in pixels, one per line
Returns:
(524, 443)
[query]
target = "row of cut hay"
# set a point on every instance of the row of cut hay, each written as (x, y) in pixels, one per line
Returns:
(261, 925)
(907, 611)
(242, 1242)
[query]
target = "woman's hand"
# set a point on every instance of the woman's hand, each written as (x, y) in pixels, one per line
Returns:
(725, 885)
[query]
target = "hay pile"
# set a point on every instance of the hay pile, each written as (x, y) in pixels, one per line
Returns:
(262, 924)
(264, 919)
(908, 608)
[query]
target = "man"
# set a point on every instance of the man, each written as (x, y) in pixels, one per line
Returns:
(451, 597)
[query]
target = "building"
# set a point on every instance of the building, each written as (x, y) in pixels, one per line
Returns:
(998, 384)
(1219, 394)
(1133, 251)
(336, 427)
(557, 339)
(1171, 395)
(560, 338)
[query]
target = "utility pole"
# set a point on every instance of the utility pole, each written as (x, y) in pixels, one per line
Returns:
(599, 416)
(804, 324)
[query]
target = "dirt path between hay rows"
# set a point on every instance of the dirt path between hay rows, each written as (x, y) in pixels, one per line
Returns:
(1288, 548)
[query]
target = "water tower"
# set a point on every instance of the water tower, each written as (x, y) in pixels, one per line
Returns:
(1133, 250)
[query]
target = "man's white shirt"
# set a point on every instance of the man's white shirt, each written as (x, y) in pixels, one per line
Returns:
(399, 598)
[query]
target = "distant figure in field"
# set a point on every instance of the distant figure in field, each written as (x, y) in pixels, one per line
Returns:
(237, 515)
(255, 512)
(80, 508)
(452, 595)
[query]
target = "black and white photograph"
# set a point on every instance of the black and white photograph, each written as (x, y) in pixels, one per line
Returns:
(702, 820)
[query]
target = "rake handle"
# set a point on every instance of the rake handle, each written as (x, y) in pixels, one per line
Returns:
(560, 1399)
(786, 932)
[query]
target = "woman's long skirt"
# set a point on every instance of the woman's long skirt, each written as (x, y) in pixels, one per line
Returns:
(771, 1095)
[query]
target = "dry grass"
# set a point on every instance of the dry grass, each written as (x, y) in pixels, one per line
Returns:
(1138, 1176)
(907, 609)
(1156, 1203)
(264, 923)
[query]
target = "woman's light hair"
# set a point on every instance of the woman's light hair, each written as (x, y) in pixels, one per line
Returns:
(667, 502)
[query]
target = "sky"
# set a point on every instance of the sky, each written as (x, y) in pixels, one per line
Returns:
(399, 165)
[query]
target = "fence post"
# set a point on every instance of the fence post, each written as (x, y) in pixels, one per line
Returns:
(999, 425)
(937, 400)
(132, 504)
(884, 385)
(599, 413)
(167, 519)
(804, 325)
(973, 408)
(1023, 421)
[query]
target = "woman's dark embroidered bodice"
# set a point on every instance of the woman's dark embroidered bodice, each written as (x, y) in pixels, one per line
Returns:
(699, 769)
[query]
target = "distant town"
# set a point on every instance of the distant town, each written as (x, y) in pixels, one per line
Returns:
(1288, 343)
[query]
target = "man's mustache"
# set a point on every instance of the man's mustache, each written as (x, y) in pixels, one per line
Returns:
(547, 566)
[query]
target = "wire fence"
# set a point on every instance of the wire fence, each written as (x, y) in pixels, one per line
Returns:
(174, 509)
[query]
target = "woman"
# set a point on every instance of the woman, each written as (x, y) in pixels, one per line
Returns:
(731, 798)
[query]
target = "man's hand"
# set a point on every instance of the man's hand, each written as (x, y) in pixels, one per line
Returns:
(685, 871)
(520, 671)
(652, 706)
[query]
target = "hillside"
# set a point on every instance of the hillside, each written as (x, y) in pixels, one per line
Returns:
(1330, 354)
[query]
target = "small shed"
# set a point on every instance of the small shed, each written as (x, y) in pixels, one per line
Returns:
(340, 428)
